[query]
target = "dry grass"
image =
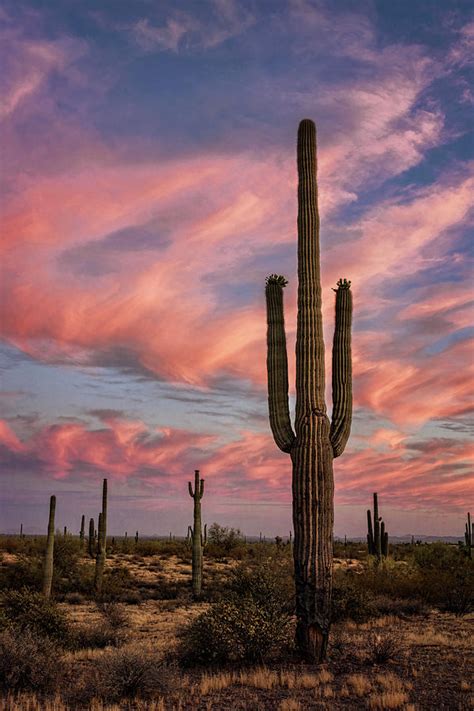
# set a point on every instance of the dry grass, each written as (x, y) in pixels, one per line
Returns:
(215, 682)
(388, 700)
(290, 705)
(359, 684)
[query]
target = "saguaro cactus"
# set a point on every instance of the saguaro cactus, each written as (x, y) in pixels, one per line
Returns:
(91, 540)
(196, 534)
(468, 535)
(81, 532)
(101, 541)
(49, 555)
(315, 441)
(377, 537)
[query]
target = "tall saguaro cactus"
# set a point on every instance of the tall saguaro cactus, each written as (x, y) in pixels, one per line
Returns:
(91, 539)
(315, 441)
(196, 534)
(49, 555)
(101, 541)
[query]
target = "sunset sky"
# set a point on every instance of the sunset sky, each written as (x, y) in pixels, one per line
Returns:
(149, 187)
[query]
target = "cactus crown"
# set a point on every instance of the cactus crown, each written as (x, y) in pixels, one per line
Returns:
(277, 279)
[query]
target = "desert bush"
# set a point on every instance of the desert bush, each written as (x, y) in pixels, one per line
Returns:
(224, 541)
(386, 605)
(114, 614)
(232, 631)
(269, 585)
(131, 673)
(381, 648)
(29, 610)
(27, 571)
(74, 598)
(351, 601)
(28, 661)
(446, 577)
(116, 584)
(96, 636)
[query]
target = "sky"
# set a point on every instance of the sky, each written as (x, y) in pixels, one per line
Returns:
(149, 187)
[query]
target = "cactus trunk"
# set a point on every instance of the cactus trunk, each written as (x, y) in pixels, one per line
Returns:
(90, 543)
(81, 533)
(197, 537)
(101, 541)
(49, 555)
(315, 441)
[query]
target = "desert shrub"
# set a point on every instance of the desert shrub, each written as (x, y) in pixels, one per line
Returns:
(131, 673)
(131, 597)
(74, 598)
(222, 541)
(116, 584)
(28, 661)
(28, 610)
(351, 601)
(395, 580)
(386, 605)
(96, 636)
(25, 572)
(446, 577)
(114, 614)
(381, 648)
(269, 585)
(231, 632)
(250, 623)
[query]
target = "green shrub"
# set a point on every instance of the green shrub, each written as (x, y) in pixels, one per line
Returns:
(351, 601)
(28, 662)
(29, 610)
(25, 572)
(251, 623)
(232, 632)
(446, 577)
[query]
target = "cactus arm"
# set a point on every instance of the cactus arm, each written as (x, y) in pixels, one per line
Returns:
(342, 369)
(201, 489)
(277, 365)
(190, 489)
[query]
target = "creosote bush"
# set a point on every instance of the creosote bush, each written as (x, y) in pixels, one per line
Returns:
(251, 623)
(28, 610)
(131, 673)
(28, 661)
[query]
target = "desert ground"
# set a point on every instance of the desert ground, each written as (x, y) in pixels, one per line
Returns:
(402, 636)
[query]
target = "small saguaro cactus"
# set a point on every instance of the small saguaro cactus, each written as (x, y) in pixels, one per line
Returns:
(136, 537)
(49, 555)
(101, 541)
(377, 536)
(469, 535)
(315, 440)
(196, 534)
(91, 540)
(82, 531)
(21, 530)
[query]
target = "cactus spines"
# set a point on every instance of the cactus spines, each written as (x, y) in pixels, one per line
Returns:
(197, 537)
(314, 442)
(82, 531)
(49, 555)
(101, 541)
